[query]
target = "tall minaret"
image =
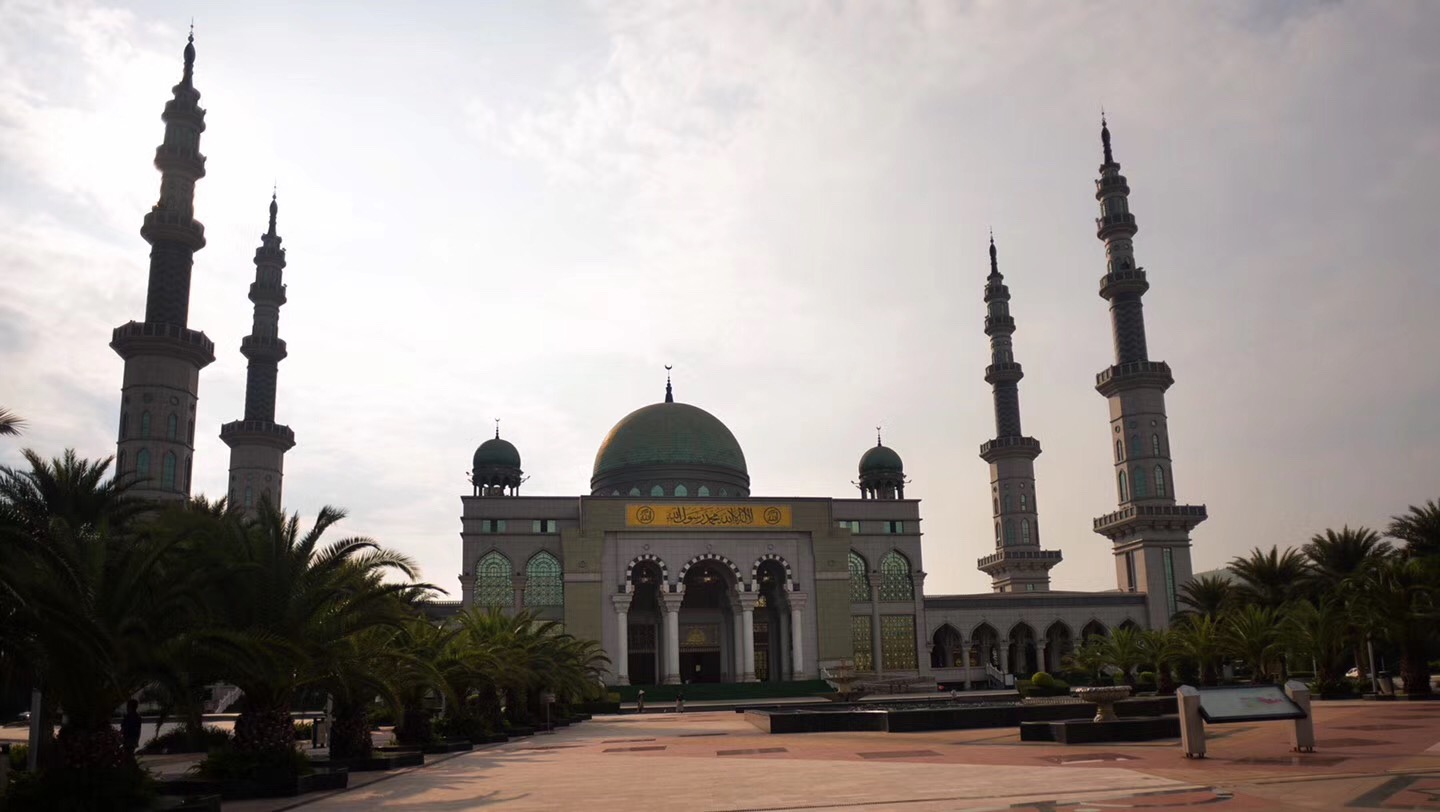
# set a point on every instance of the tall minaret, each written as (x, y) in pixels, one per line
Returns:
(1150, 532)
(1018, 564)
(163, 356)
(257, 443)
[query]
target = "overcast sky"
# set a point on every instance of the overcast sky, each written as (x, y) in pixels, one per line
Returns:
(524, 210)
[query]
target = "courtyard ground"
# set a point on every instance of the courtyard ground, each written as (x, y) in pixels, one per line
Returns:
(1370, 756)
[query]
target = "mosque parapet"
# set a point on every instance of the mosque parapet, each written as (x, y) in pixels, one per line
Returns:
(153, 337)
(1133, 374)
(1186, 516)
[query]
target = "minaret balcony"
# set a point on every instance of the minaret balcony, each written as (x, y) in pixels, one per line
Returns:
(267, 292)
(263, 348)
(1125, 280)
(175, 157)
(1004, 559)
(999, 324)
(163, 225)
(1013, 446)
(1134, 375)
(1122, 223)
(258, 432)
(1111, 184)
(138, 338)
(1003, 372)
(1135, 518)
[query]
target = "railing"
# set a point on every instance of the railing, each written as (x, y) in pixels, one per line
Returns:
(257, 427)
(262, 342)
(1107, 220)
(999, 677)
(1009, 442)
(224, 700)
(1159, 368)
(1111, 182)
(1152, 511)
(999, 321)
(155, 329)
(1019, 555)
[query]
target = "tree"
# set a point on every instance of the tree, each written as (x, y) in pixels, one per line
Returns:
(1251, 633)
(1336, 560)
(1396, 602)
(1321, 633)
(1271, 579)
(1201, 641)
(11, 424)
(1161, 649)
(1206, 596)
(1124, 650)
(1089, 659)
(1419, 529)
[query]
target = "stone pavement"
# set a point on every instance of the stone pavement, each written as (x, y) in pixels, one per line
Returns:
(1370, 756)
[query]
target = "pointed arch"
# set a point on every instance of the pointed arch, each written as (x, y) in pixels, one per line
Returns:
(628, 585)
(1137, 483)
(1024, 531)
(947, 647)
(544, 581)
(1119, 451)
(172, 427)
(1009, 532)
(859, 579)
(494, 580)
(145, 425)
(1093, 629)
(167, 470)
(895, 581)
(656, 490)
(681, 490)
(702, 491)
(1155, 444)
(142, 464)
(1124, 488)
(740, 585)
(1159, 481)
(778, 559)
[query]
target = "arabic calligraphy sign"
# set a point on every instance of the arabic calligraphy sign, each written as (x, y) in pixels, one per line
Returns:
(1250, 703)
(703, 516)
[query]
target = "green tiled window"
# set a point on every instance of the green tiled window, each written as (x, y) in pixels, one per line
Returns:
(493, 584)
(895, 583)
(859, 582)
(860, 642)
(897, 642)
(544, 581)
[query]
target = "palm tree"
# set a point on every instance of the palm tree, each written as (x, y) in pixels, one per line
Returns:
(1321, 633)
(11, 424)
(1124, 650)
(287, 602)
(1251, 633)
(1090, 659)
(1419, 529)
(1336, 560)
(1201, 641)
(1271, 579)
(1206, 596)
(1395, 601)
(1161, 649)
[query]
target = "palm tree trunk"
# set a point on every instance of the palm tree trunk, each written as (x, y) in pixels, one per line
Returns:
(1414, 669)
(350, 732)
(264, 730)
(415, 726)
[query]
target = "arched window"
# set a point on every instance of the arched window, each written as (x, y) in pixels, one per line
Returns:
(995, 501)
(142, 463)
(1022, 502)
(1155, 444)
(859, 582)
(997, 534)
(1006, 501)
(1138, 483)
(544, 581)
(1119, 451)
(656, 490)
(702, 491)
(144, 425)
(1010, 533)
(124, 424)
(493, 584)
(895, 583)
(249, 497)
(1135, 448)
(167, 470)
(634, 491)
(1024, 531)
(1159, 481)
(1124, 491)
(172, 427)
(681, 490)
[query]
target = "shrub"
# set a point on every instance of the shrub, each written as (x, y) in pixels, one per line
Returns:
(304, 730)
(381, 716)
(231, 765)
(1042, 680)
(19, 756)
(179, 740)
(1146, 678)
(121, 788)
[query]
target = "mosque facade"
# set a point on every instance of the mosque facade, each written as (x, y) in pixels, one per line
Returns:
(685, 575)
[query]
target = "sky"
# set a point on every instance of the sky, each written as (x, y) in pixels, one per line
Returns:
(525, 210)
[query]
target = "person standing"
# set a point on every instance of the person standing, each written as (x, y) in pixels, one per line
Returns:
(130, 727)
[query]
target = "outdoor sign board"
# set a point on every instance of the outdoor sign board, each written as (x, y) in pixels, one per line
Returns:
(1248, 703)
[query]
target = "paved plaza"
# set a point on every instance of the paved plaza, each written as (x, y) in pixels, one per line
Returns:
(1370, 756)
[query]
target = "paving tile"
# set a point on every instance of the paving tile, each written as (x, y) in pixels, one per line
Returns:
(899, 754)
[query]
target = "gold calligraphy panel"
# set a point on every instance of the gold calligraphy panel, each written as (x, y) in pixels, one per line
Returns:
(702, 516)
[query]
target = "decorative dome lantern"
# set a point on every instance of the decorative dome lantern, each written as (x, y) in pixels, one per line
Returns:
(496, 470)
(882, 474)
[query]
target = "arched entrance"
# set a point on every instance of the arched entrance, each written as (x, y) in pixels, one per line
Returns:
(706, 623)
(772, 624)
(644, 624)
(1059, 644)
(945, 651)
(1022, 650)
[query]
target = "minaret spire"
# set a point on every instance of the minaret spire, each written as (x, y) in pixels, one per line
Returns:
(669, 393)
(1150, 531)
(1018, 564)
(163, 356)
(257, 443)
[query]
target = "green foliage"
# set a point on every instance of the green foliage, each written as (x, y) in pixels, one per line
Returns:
(1206, 596)
(182, 740)
(1270, 579)
(74, 789)
(1419, 529)
(304, 730)
(1042, 680)
(19, 756)
(230, 764)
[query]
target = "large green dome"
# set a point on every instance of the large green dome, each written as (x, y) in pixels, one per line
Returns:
(669, 434)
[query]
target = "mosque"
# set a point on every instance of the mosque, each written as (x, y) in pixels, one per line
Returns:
(670, 561)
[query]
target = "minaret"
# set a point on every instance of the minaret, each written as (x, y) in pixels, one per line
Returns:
(163, 356)
(1018, 564)
(257, 443)
(1150, 531)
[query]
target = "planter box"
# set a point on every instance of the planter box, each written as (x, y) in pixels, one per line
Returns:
(382, 761)
(186, 803)
(448, 746)
(817, 722)
(516, 732)
(318, 781)
(1084, 731)
(492, 738)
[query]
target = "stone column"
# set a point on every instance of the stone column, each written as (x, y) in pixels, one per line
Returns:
(1040, 656)
(622, 640)
(518, 582)
(922, 664)
(672, 601)
(1005, 656)
(737, 666)
(747, 625)
(876, 651)
(965, 659)
(467, 591)
(797, 640)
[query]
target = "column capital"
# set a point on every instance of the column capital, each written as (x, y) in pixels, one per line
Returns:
(621, 602)
(746, 600)
(672, 601)
(798, 599)
(518, 579)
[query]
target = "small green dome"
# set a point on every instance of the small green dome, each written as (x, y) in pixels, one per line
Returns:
(880, 459)
(496, 453)
(669, 434)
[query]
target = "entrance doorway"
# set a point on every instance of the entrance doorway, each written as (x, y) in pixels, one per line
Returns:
(700, 666)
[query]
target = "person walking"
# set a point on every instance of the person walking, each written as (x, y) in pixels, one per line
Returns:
(130, 727)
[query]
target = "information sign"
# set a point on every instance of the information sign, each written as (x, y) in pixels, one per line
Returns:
(1248, 703)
